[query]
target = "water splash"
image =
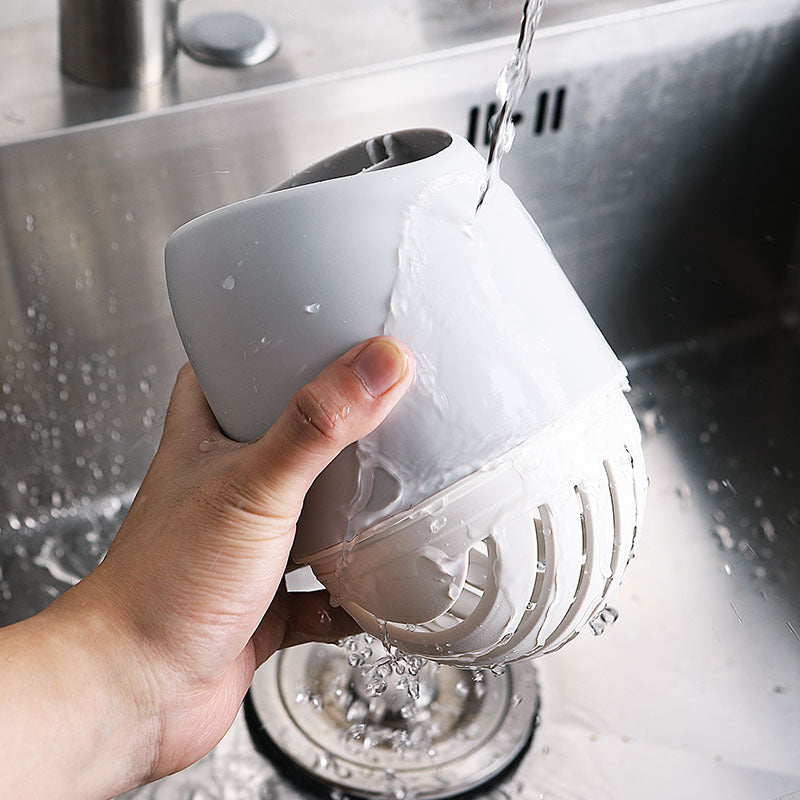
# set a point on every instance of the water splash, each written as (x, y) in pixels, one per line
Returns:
(381, 696)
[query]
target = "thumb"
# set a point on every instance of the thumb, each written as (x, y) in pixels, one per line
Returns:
(345, 402)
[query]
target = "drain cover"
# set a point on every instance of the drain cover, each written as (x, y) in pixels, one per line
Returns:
(309, 706)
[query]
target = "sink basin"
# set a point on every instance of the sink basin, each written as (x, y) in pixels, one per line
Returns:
(658, 150)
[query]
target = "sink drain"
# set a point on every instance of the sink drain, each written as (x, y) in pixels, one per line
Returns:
(327, 722)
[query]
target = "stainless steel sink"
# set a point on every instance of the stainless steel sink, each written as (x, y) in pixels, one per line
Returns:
(659, 150)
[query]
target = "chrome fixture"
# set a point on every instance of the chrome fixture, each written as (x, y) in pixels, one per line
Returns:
(313, 713)
(229, 39)
(118, 43)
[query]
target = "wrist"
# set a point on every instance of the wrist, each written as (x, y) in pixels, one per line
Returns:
(105, 699)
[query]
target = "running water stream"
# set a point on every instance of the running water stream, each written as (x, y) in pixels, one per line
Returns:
(510, 85)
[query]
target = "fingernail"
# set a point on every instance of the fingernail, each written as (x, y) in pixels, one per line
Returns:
(380, 365)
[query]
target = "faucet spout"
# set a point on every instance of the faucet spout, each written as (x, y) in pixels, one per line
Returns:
(118, 43)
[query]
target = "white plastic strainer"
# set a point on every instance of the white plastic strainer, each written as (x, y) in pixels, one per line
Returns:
(493, 512)
(514, 559)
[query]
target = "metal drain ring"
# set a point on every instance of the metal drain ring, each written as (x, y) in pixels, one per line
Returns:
(486, 735)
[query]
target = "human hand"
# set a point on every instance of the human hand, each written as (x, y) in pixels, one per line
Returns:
(189, 600)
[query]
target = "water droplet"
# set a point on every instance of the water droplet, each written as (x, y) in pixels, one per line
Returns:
(356, 731)
(375, 686)
(768, 529)
(438, 524)
(312, 308)
(304, 695)
(609, 615)
(229, 283)
(400, 741)
(723, 536)
(30, 223)
(597, 626)
(599, 623)
(412, 687)
(357, 712)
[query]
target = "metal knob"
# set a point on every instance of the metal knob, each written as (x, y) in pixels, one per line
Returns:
(118, 43)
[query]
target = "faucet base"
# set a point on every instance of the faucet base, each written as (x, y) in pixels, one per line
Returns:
(118, 45)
